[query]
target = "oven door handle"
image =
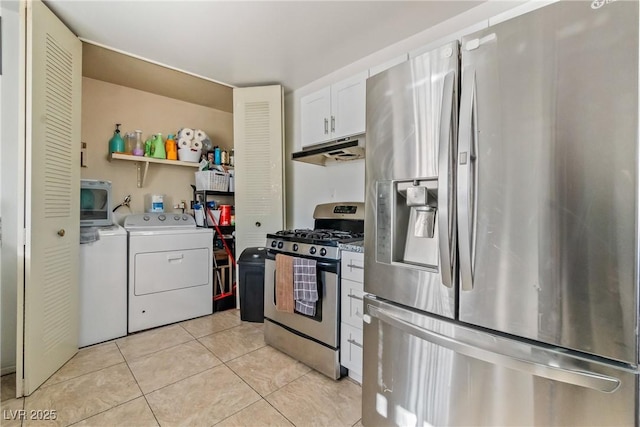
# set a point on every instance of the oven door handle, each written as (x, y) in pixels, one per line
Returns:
(330, 266)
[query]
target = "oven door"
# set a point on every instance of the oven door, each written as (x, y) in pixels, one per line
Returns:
(323, 326)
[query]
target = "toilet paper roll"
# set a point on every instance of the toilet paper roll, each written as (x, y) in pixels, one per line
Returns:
(199, 135)
(196, 145)
(186, 133)
(184, 143)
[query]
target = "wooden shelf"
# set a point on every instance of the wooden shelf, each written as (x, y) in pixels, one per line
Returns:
(140, 160)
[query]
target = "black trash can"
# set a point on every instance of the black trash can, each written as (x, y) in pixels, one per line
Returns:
(251, 283)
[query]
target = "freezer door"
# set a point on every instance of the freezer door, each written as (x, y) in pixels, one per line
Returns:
(424, 371)
(409, 204)
(547, 177)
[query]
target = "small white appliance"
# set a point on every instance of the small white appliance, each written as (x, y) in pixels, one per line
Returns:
(95, 203)
(170, 264)
(103, 286)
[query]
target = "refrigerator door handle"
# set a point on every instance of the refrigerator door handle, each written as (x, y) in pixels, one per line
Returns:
(445, 203)
(467, 178)
(592, 380)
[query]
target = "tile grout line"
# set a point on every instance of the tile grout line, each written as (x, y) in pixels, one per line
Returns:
(208, 315)
(74, 378)
(106, 410)
(187, 377)
(155, 352)
(220, 331)
(144, 396)
(261, 396)
(122, 403)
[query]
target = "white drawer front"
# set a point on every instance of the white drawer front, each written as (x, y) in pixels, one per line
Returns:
(352, 267)
(351, 303)
(168, 270)
(351, 349)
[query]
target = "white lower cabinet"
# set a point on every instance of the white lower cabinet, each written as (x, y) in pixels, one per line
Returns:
(352, 292)
(351, 350)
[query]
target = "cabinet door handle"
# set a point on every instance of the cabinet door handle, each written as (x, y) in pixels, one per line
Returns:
(258, 223)
(355, 297)
(354, 342)
(326, 126)
(358, 267)
(333, 124)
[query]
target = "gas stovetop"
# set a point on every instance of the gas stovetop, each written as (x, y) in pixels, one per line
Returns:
(318, 243)
(319, 236)
(335, 223)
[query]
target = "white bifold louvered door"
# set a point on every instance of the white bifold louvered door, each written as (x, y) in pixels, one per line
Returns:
(52, 194)
(259, 174)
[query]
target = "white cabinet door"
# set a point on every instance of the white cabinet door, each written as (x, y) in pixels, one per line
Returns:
(351, 351)
(315, 112)
(348, 106)
(259, 173)
(52, 193)
(351, 302)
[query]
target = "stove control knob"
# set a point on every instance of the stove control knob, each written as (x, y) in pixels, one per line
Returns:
(146, 218)
(185, 217)
(273, 244)
(323, 252)
(162, 217)
(280, 245)
(176, 217)
(295, 246)
(312, 250)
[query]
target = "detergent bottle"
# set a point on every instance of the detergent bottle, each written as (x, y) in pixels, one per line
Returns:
(116, 143)
(157, 147)
(147, 146)
(171, 147)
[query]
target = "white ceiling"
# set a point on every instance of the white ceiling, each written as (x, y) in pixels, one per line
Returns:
(244, 43)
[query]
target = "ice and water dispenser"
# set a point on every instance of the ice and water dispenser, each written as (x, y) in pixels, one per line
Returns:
(406, 223)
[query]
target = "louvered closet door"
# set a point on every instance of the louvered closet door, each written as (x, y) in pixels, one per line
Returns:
(54, 61)
(258, 144)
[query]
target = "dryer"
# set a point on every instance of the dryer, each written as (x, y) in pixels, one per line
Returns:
(170, 263)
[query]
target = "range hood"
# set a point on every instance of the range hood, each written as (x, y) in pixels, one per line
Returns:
(340, 150)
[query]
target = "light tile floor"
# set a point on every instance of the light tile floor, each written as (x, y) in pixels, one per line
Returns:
(213, 370)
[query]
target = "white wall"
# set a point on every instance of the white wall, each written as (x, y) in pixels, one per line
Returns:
(10, 182)
(308, 185)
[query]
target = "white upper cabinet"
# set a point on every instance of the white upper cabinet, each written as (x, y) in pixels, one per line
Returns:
(349, 106)
(335, 112)
(315, 112)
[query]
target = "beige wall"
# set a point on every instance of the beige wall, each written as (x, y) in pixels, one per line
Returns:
(104, 104)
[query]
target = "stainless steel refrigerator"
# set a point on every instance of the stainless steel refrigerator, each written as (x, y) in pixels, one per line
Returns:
(501, 230)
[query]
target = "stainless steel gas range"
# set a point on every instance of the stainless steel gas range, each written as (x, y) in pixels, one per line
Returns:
(313, 339)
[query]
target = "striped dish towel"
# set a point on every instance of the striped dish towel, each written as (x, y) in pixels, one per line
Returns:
(305, 286)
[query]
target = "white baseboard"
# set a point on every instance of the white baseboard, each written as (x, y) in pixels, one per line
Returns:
(8, 370)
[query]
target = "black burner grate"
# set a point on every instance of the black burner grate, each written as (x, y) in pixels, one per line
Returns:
(320, 234)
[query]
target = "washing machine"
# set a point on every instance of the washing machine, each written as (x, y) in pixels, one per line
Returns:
(103, 285)
(170, 263)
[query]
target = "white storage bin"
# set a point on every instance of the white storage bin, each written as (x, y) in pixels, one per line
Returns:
(212, 181)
